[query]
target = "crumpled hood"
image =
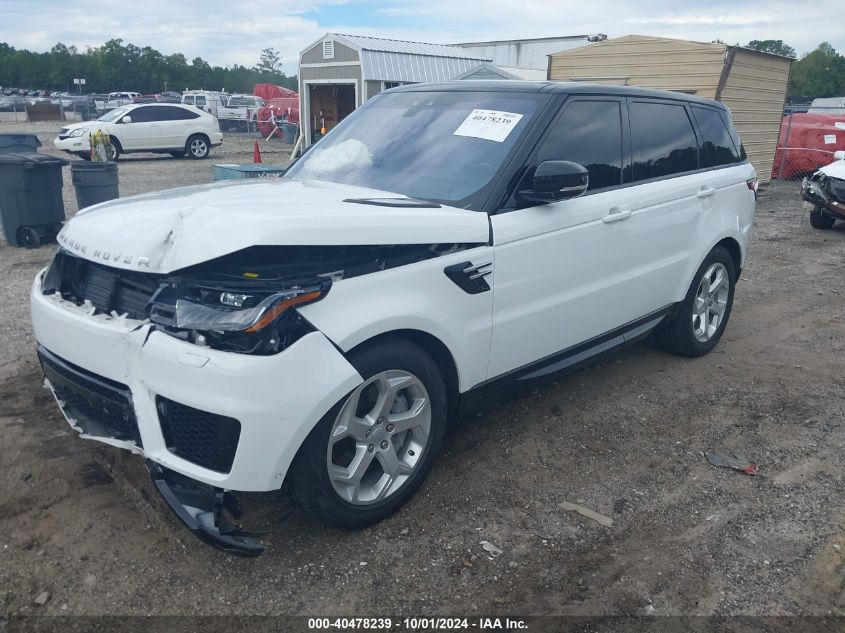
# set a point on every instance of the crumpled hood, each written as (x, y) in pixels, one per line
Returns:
(169, 230)
(835, 170)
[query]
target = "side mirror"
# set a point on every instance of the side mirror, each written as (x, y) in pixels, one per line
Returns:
(557, 180)
(126, 119)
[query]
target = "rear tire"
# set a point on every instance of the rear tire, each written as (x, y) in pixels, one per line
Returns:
(84, 155)
(197, 147)
(821, 220)
(118, 150)
(369, 454)
(697, 326)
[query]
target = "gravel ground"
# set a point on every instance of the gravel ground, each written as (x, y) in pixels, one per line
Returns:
(624, 437)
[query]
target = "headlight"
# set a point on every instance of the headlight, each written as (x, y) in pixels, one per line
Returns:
(248, 318)
(78, 132)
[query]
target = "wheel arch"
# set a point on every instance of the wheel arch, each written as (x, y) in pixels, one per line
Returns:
(435, 348)
(205, 137)
(729, 242)
(732, 246)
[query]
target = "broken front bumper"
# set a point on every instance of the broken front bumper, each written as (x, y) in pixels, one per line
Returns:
(812, 192)
(155, 393)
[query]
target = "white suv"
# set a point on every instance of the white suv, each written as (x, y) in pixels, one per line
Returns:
(162, 128)
(442, 243)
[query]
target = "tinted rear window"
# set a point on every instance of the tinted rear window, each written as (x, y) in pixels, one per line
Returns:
(663, 140)
(717, 145)
(169, 113)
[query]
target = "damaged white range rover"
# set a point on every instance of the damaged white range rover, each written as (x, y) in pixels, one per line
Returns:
(315, 333)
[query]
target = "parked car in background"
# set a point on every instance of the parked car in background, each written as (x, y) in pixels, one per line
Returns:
(116, 99)
(824, 193)
(443, 244)
(168, 96)
(12, 104)
(174, 129)
(240, 113)
(206, 100)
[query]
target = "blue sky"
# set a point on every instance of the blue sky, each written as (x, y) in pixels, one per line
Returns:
(226, 32)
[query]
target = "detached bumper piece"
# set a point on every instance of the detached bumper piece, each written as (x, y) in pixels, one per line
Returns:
(99, 406)
(200, 507)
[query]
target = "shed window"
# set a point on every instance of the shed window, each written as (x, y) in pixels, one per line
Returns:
(328, 49)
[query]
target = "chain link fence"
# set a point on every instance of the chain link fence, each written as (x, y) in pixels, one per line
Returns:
(809, 138)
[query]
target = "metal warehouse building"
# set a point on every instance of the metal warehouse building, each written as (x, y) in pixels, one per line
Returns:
(752, 84)
(338, 73)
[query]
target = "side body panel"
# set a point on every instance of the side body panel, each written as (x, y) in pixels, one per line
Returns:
(415, 297)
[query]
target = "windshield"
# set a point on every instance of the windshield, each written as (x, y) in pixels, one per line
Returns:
(438, 146)
(113, 115)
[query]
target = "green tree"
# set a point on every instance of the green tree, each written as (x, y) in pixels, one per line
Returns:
(124, 66)
(820, 73)
(269, 62)
(777, 47)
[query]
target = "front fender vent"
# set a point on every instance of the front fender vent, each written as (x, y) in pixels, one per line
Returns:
(470, 277)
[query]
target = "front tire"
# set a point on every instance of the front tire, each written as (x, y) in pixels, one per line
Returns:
(371, 452)
(701, 319)
(821, 220)
(197, 147)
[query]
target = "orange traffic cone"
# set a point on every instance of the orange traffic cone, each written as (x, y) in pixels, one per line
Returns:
(256, 153)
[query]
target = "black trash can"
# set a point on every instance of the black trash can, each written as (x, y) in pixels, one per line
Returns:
(94, 182)
(31, 205)
(289, 130)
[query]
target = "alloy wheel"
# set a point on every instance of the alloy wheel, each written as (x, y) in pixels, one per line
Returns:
(379, 437)
(711, 301)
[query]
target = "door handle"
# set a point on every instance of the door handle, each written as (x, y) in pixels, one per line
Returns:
(616, 215)
(706, 192)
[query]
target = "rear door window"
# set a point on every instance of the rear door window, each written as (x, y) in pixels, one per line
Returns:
(717, 145)
(169, 113)
(188, 99)
(200, 102)
(663, 140)
(588, 133)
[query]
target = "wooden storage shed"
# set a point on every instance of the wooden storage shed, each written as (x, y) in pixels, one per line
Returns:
(752, 84)
(338, 73)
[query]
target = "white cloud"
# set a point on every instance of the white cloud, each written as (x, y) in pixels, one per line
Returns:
(226, 32)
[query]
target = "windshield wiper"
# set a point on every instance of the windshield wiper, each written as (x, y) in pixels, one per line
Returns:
(409, 203)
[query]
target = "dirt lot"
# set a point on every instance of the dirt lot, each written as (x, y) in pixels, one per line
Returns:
(81, 520)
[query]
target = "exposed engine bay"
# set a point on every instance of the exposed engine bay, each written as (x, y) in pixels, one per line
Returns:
(243, 302)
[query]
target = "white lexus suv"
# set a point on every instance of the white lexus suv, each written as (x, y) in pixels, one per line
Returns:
(316, 333)
(162, 128)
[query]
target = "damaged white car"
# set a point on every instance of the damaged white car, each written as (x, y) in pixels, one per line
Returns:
(443, 244)
(824, 194)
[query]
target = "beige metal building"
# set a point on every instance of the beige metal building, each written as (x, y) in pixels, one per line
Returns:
(752, 84)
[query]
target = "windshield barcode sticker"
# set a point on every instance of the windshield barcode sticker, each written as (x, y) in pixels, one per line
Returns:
(491, 125)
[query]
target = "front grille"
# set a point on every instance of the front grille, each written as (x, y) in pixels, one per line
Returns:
(99, 406)
(108, 289)
(205, 439)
